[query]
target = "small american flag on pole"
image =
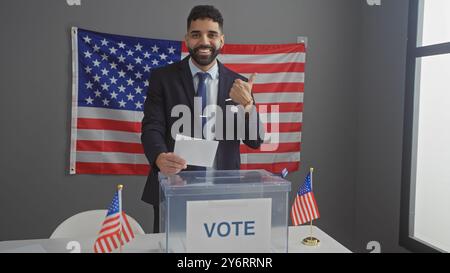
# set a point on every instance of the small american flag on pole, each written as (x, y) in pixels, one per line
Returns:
(115, 230)
(305, 207)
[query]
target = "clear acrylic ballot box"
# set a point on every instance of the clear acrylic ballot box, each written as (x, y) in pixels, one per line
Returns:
(224, 211)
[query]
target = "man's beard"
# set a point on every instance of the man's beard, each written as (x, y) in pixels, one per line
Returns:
(204, 60)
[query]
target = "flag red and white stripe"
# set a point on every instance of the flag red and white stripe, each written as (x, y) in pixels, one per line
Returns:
(280, 82)
(115, 231)
(304, 209)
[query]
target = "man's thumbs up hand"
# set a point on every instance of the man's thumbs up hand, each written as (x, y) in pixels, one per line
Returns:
(241, 92)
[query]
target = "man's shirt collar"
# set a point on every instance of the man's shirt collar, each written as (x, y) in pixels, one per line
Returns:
(213, 71)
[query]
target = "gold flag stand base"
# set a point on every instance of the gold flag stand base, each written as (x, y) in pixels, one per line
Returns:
(311, 241)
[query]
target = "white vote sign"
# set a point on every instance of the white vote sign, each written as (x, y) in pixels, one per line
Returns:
(238, 225)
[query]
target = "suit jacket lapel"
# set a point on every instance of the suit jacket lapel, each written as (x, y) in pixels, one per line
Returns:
(188, 83)
(224, 82)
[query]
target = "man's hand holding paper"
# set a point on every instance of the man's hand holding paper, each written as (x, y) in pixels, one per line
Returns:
(170, 163)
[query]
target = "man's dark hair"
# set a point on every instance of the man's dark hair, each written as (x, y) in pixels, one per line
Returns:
(203, 12)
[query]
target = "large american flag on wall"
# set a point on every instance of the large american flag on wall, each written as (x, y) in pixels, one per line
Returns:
(110, 81)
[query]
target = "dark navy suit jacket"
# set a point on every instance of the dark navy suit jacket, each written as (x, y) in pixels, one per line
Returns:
(173, 85)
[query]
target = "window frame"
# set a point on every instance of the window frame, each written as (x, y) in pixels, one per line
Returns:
(413, 53)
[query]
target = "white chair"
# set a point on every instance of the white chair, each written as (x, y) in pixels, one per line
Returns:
(88, 224)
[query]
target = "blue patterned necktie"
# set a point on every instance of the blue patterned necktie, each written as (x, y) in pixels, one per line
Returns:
(201, 92)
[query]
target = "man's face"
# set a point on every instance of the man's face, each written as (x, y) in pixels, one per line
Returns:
(204, 41)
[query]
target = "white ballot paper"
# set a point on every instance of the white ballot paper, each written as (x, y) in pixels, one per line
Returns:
(195, 151)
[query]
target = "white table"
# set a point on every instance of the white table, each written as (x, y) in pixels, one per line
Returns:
(327, 243)
(151, 243)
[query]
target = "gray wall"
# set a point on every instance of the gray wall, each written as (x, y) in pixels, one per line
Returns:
(352, 116)
(380, 124)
